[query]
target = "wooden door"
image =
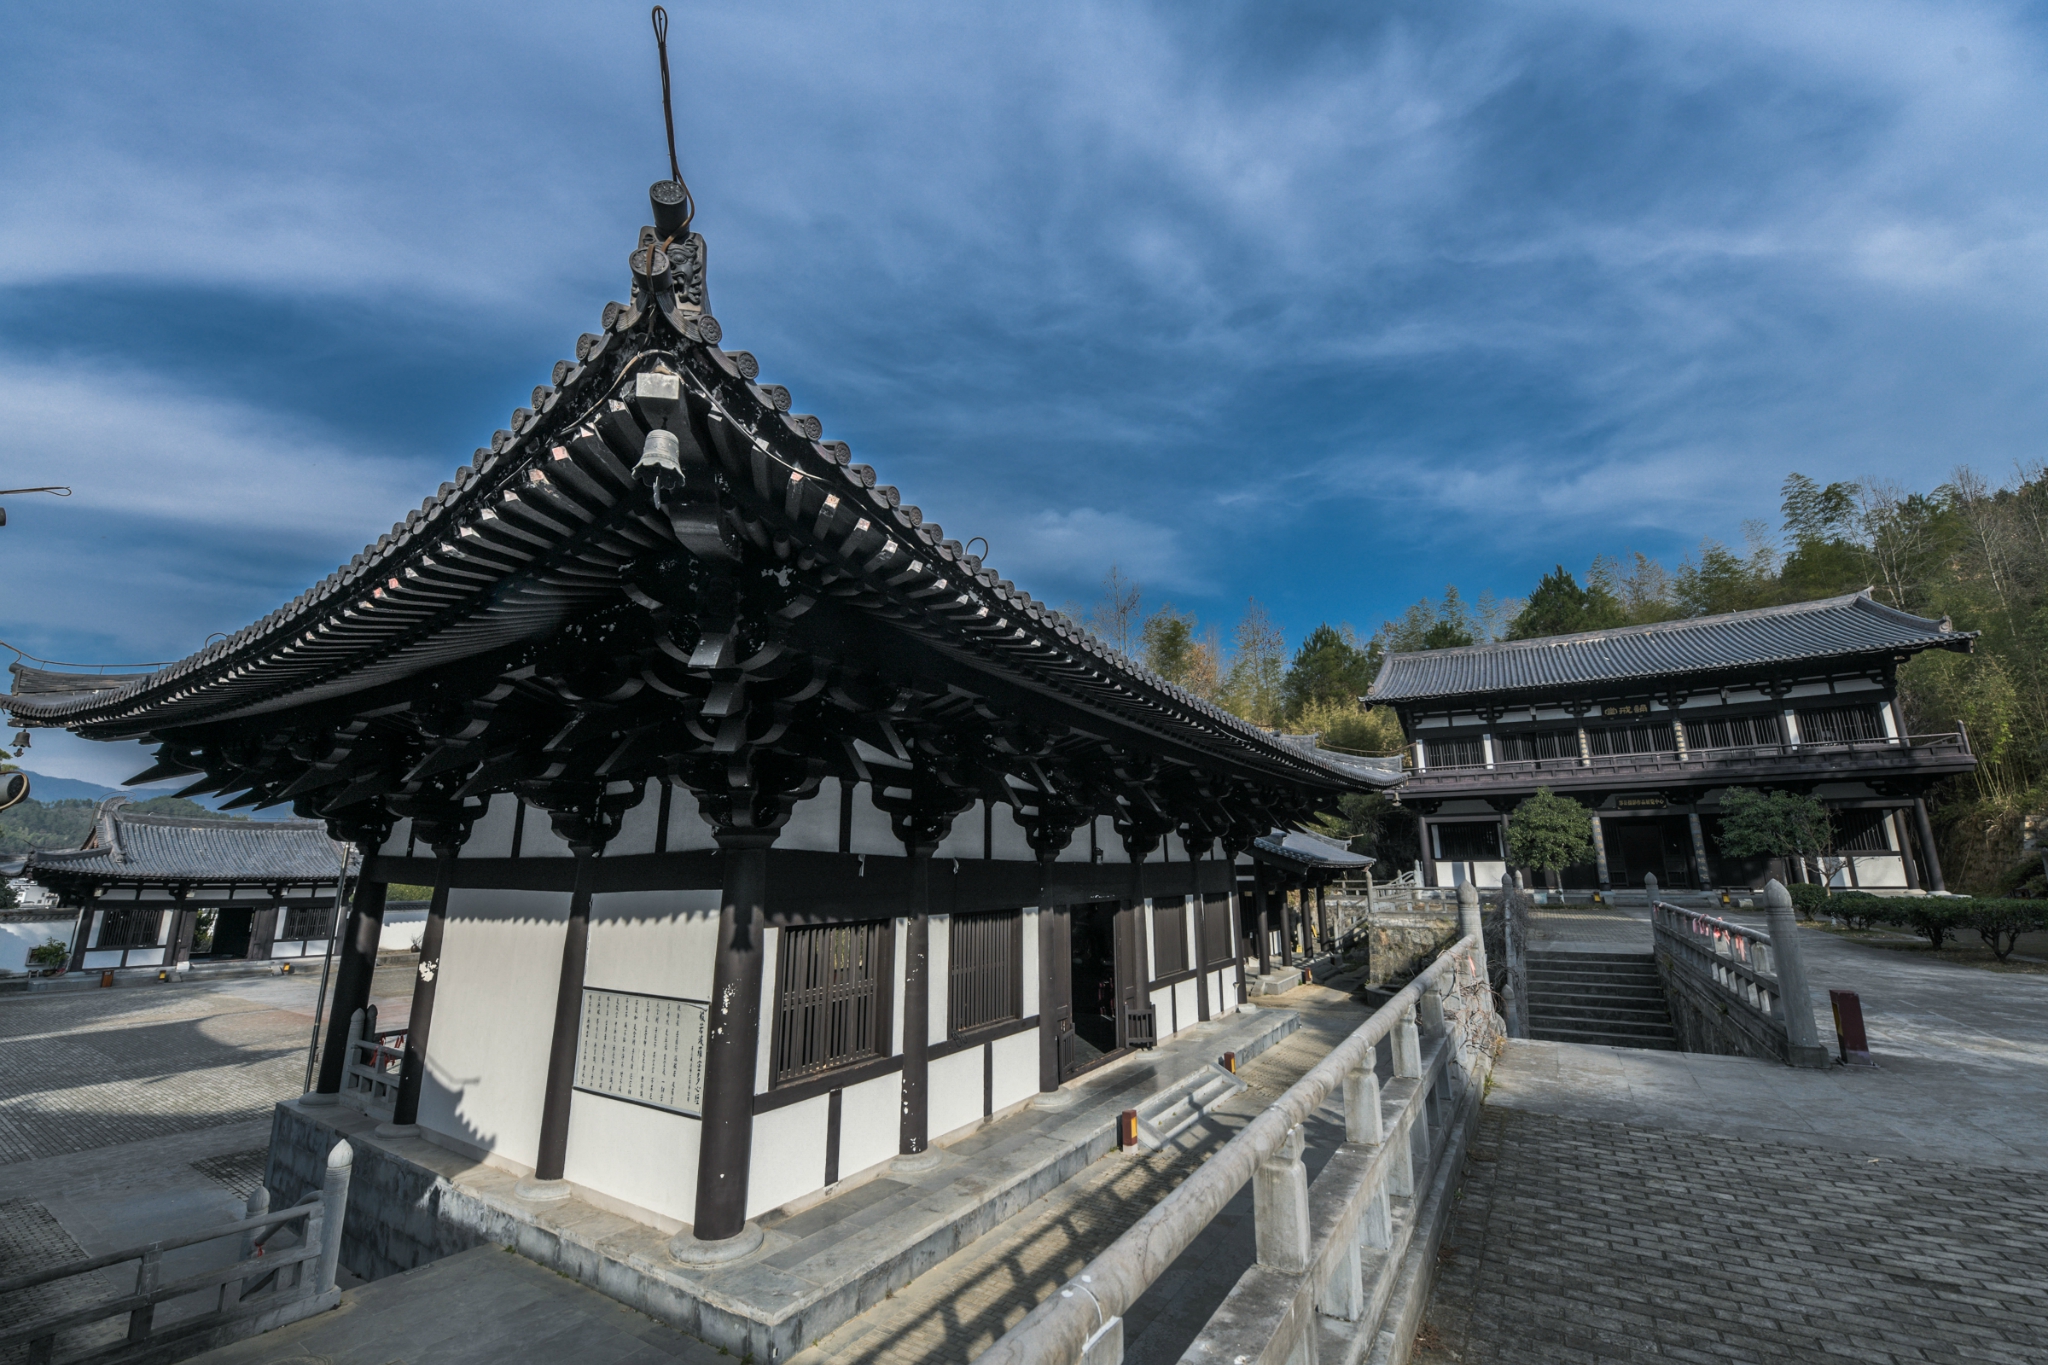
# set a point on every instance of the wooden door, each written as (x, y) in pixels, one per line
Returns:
(1136, 1024)
(1055, 995)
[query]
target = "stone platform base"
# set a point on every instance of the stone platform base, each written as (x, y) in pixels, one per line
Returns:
(412, 1202)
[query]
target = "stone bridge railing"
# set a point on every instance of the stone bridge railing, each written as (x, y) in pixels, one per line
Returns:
(1343, 1262)
(1734, 989)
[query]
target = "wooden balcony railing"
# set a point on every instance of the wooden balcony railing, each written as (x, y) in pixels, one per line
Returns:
(1904, 751)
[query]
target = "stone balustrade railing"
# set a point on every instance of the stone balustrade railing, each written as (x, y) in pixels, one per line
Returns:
(1340, 1260)
(1734, 989)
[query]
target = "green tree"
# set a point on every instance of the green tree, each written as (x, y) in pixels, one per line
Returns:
(1167, 641)
(1353, 728)
(1559, 606)
(1258, 665)
(1328, 669)
(1550, 832)
(1757, 824)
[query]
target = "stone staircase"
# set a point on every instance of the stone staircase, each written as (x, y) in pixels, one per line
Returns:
(1608, 999)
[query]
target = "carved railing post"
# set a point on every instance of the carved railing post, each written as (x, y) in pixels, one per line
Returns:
(1794, 997)
(1280, 1207)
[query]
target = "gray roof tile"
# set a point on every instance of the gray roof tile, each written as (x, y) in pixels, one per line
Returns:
(131, 846)
(1832, 628)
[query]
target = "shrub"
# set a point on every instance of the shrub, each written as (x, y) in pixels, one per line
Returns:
(2001, 922)
(1934, 918)
(51, 954)
(1809, 900)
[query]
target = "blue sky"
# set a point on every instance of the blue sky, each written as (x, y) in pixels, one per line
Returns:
(1329, 305)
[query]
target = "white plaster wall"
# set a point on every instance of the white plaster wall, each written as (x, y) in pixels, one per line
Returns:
(687, 831)
(939, 979)
(1162, 1010)
(402, 930)
(539, 840)
(18, 937)
(764, 1049)
(870, 1126)
(494, 1008)
(654, 942)
(1184, 993)
(1222, 992)
(1877, 869)
(1008, 839)
(789, 1153)
(814, 824)
(491, 837)
(965, 840)
(1029, 1000)
(641, 1156)
(1016, 1068)
(896, 1001)
(1484, 874)
(871, 832)
(1151, 940)
(400, 840)
(638, 826)
(952, 1092)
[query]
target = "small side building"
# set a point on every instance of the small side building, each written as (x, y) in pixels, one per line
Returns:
(1650, 726)
(157, 890)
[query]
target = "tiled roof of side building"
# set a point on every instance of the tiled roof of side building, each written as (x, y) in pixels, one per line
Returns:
(1832, 628)
(1310, 850)
(128, 845)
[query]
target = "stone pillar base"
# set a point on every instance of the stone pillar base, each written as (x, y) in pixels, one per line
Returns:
(912, 1162)
(535, 1191)
(687, 1249)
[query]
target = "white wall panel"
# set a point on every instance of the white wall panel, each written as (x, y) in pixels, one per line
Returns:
(938, 967)
(953, 1092)
(814, 824)
(641, 1156)
(1030, 995)
(788, 1154)
(1008, 839)
(1184, 1000)
(539, 840)
(871, 833)
(653, 942)
(1016, 1069)
(764, 1047)
(494, 1018)
(895, 997)
(686, 828)
(396, 845)
(965, 840)
(639, 824)
(870, 1123)
(1162, 1010)
(491, 837)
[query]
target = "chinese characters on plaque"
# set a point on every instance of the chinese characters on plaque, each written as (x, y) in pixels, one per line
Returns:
(644, 1048)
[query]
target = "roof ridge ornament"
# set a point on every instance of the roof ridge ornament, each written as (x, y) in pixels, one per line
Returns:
(674, 208)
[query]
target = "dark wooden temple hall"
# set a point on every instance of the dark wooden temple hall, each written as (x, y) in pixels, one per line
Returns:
(773, 836)
(1649, 725)
(162, 890)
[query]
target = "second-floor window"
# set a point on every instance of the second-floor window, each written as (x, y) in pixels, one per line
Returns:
(1840, 724)
(1610, 740)
(1536, 746)
(1453, 753)
(1734, 732)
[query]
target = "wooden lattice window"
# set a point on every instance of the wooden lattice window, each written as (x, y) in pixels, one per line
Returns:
(134, 927)
(831, 1002)
(1734, 732)
(1615, 740)
(1467, 841)
(1453, 753)
(985, 970)
(1536, 746)
(1840, 724)
(1215, 917)
(306, 921)
(1169, 938)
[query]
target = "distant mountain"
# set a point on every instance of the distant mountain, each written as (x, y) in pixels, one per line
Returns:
(41, 788)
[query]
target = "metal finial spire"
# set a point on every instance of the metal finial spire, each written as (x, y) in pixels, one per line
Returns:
(678, 202)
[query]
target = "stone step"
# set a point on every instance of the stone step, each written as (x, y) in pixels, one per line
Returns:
(1565, 990)
(1537, 959)
(1597, 1009)
(1603, 1039)
(1595, 1023)
(1596, 977)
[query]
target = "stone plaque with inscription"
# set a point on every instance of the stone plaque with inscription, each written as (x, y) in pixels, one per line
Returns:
(646, 1049)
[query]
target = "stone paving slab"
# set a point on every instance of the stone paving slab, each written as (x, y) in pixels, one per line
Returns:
(480, 1307)
(1583, 1240)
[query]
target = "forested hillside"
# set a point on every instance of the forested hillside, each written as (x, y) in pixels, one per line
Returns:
(1966, 549)
(64, 824)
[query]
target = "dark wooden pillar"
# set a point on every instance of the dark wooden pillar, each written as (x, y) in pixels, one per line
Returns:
(1904, 834)
(1198, 951)
(1265, 943)
(184, 922)
(553, 1150)
(913, 1135)
(1428, 855)
(1934, 880)
(732, 1040)
(1287, 921)
(419, 1022)
(353, 975)
(1322, 920)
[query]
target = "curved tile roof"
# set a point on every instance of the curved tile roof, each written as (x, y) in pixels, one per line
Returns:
(1310, 850)
(127, 845)
(478, 566)
(1832, 628)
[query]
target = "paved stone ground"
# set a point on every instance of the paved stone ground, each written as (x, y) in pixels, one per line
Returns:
(93, 1069)
(1579, 1240)
(480, 1307)
(1632, 1206)
(959, 1307)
